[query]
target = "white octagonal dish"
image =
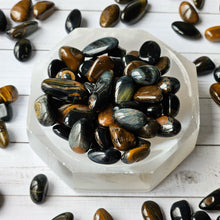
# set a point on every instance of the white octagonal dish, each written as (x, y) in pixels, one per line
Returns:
(166, 153)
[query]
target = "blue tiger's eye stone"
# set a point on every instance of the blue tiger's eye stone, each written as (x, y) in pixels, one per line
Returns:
(3, 21)
(64, 216)
(73, 20)
(180, 210)
(200, 215)
(23, 50)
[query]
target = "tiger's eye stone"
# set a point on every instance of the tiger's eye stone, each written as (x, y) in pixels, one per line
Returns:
(204, 65)
(200, 215)
(23, 50)
(62, 131)
(186, 30)
(171, 105)
(72, 57)
(117, 52)
(85, 66)
(4, 137)
(43, 9)
(217, 74)
(38, 188)
(8, 94)
(20, 11)
(188, 13)
(169, 85)
(129, 58)
(199, 3)
(151, 211)
(122, 139)
(218, 218)
(3, 21)
(102, 137)
(153, 110)
(213, 34)
(64, 216)
(118, 66)
(123, 1)
(134, 53)
(54, 67)
(5, 112)
(73, 20)
(132, 65)
(134, 11)
(66, 74)
(180, 210)
(214, 91)
(110, 16)
(102, 214)
(163, 65)
(105, 117)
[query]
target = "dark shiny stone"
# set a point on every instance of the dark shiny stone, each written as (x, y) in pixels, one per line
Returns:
(132, 65)
(89, 87)
(212, 201)
(129, 58)
(102, 137)
(54, 67)
(129, 104)
(214, 91)
(171, 105)
(100, 46)
(66, 73)
(4, 137)
(150, 52)
(105, 117)
(153, 110)
(85, 66)
(169, 85)
(23, 50)
(169, 126)
(102, 214)
(163, 65)
(218, 218)
(123, 1)
(3, 21)
(109, 156)
(43, 9)
(64, 216)
(217, 74)
(23, 30)
(124, 89)
(8, 94)
(134, 11)
(199, 3)
(73, 20)
(118, 67)
(145, 75)
(151, 211)
(180, 210)
(61, 131)
(186, 30)
(38, 188)
(5, 112)
(80, 138)
(117, 52)
(44, 111)
(129, 118)
(200, 215)
(204, 65)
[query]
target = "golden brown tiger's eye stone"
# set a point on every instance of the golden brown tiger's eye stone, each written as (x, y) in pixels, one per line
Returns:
(4, 138)
(163, 65)
(105, 117)
(213, 34)
(188, 13)
(110, 16)
(8, 94)
(151, 211)
(43, 9)
(132, 65)
(20, 11)
(215, 92)
(102, 214)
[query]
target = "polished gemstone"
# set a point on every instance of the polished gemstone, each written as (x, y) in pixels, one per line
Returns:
(118, 66)
(214, 91)
(151, 211)
(163, 64)
(5, 112)
(132, 65)
(199, 3)
(204, 65)
(102, 214)
(213, 34)
(110, 16)
(169, 85)
(4, 137)
(123, 1)
(134, 53)
(23, 50)
(186, 30)
(217, 74)
(54, 67)
(3, 21)
(43, 9)
(80, 138)
(105, 117)
(23, 30)
(72, 57)
(8, 94)
(44, 111)
(102, 137)
(62, 131)
(218, 218)
(171, 105)
(150, 52)
(200, 215)
(38, 188)
(64, 216)
(129, 118)
(89, 87)
(134, 11)
(85, 66)
(129, 58)
(153, 110)
(188, 13)
(20, 11)
(128, 104)
(73, 20)
(122, 139)
(100, 46)
(180, 210)
(66, 74)
(117, 52)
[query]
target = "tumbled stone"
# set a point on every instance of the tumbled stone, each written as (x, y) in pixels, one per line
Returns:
(62, 131)
(129, 58)
(20, 11)
(80, 138)
(5, 112)
(218, 218)
(100, 46)
(85, 66)
(150, 52)
(171, 105)
(163, 65)
(217, 74)
(213, 34)
(64, 216)
(117, 52)
(200, 215)
(3, 21)
(72, 57)
(211, 201)
(204, 65)
(102, 137)
(169, 84)
(123, 1)
(73, 20)
(188, 13)
(54, 67)
(102, 214)
(132, 65)
(38, 188)
(23, 50)
(118, 66)
(43, 9)
(151, 211)
(89, 87)
(8, 94)
(180, 210)
(153, 110)
(214, 91)
(134, 11)
(110, 16)
(128, 104)
(105, 117)
(23, 30)
(198, 3)
(66, 74)
(4, 137)
(186, 30)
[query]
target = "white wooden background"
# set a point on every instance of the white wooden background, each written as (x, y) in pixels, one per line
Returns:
(197, 176)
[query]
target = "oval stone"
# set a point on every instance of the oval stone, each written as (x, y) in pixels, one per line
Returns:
(200, 215)
(204, 65)
(102, 214)
(66, 74)
(218, 218)
(8, 94)
(214, 91)
(134, 11)
(4, 137)
(20, 11)
(73, 20)
(38, 188)
(43, 9)
(129, 58)
(129, 118)
(198, 3)
(64, 216)
(105, 117)
(180, 210)
(132, 65)
(153, 110)
(100, 46)
(62, 131)
(186, 30)
(163, 65)
(217, 74)
(102, 137)
(54, 67)
(213, 34)
(188, 13)
(23, 50)
(151, 211)
(169, 85)
(150, 52)
(110, 16)
(171, 105)
(3, 21)
(5, 112)
(123, 1)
